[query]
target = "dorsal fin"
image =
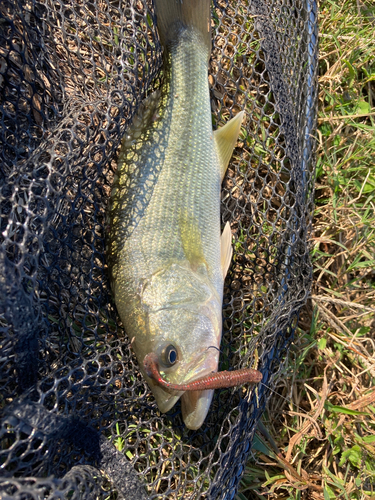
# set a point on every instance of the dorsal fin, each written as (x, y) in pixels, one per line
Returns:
(225, 140)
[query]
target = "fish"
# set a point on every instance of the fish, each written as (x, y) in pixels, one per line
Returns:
(167, 256)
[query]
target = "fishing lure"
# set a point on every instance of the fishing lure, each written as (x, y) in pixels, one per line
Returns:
(216, 380)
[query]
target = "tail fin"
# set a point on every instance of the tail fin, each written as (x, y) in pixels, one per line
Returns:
(191, 13)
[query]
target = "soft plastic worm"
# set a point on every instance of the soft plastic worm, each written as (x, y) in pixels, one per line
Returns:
(218, 380)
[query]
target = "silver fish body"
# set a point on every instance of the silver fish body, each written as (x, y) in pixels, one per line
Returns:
(167, 257)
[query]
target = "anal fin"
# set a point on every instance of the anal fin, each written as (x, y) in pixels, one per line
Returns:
(225, 140)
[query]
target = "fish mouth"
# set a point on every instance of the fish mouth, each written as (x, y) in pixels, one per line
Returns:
(196, 393)
(195, 406)
(165, 400)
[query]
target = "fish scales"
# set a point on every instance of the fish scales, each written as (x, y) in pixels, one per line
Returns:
(164, 248)
(189, 183)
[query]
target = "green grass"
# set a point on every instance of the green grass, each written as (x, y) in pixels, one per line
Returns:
(321, 423)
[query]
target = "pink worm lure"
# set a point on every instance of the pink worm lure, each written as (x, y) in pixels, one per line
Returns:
(218, 380)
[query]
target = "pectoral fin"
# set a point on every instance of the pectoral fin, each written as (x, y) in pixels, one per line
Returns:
(225, 140)
(191, 241)
(226, 248)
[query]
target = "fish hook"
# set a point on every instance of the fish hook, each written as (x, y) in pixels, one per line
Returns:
(213, 347)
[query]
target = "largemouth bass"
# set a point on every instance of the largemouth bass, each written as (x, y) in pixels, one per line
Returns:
(167, 257)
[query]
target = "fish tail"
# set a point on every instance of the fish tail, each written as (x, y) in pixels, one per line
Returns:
(171, 14)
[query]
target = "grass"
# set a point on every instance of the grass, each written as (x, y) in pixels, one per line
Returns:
(318, 439)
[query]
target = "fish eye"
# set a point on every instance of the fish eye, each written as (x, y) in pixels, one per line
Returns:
(169, 355)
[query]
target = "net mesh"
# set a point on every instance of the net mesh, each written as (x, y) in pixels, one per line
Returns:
(77, 419)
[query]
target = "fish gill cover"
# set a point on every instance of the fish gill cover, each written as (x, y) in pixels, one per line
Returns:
(77, 418)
